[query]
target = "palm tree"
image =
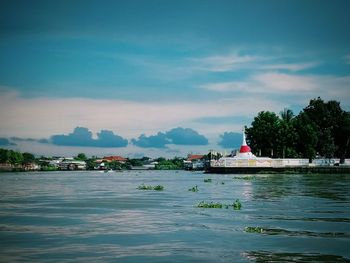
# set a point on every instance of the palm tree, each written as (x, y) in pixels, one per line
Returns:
(287, 115)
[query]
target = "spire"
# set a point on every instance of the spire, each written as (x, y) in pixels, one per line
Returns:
(244, 143)
(244, 148)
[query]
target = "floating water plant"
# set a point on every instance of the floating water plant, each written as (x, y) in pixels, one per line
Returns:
(237, 205)
(207, 180)
(245, 177)
(145, 187)
(252, 229)
(158, 188)
(150, 187)
(193, 189)
(203, 204)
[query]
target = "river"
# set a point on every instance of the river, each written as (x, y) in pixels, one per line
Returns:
(88, 216)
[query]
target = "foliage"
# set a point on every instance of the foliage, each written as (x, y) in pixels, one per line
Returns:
(135, 162)
(262, 135)
(28, 158)
(245, 177)
(251, 229)
(321, 129)
(203, 204)
(208, 180)
(236, 205)
(81, 157)
(307, 136)
(145, 187)
(193, 189)
(114, 165)
(171, 164)
(158, 188)
(150, 187)
(10, 156)
(4, 156)
(90, 164)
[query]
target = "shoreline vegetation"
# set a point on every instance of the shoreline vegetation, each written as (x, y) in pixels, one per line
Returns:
(320, 131)
(13, 161)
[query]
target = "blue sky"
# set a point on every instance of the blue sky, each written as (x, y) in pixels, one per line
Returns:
(137, 77)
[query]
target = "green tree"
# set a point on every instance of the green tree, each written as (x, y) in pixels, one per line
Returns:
(90, 163)
(81, 157)
(307, 136)
(262, 134)
(287, 135)
(342, 137)
(15, 157)
(28, 158)
(4, 156)
(327, 148)
(287, 115)
(328, 118)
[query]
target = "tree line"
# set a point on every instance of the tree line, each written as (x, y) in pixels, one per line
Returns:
(16, 158)
(322, 129)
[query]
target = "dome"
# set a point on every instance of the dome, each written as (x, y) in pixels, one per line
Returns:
(244, 149)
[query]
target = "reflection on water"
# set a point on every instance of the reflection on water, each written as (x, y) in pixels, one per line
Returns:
(89, 216)
(264, 256)
(335, 187)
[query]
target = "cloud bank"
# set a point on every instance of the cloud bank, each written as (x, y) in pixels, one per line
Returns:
(176, 136)
(6, 142)
(154, 141)
(83, 137)
(230, 140)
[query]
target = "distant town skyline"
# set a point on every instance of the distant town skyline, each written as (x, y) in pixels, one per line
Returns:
(162, 78)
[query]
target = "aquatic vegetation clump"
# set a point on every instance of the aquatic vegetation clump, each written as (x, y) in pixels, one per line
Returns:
(145, 187)
(237, 205)
(193, 189)
(252, 229)
(158, 188)
(245, 177)
(150, 187)
(208, 180)
(203, 204)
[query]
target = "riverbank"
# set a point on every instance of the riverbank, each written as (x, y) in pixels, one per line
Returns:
(291, 169)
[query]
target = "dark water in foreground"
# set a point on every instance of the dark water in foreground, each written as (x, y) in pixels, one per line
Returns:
(100, 217)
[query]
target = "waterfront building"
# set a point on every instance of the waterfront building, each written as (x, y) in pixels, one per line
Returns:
(245, 158)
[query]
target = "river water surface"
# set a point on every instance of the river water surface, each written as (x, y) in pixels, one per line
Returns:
(102, 217)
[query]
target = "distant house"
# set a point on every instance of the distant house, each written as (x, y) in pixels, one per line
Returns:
(194, 162)
(150, 166)
(119, 159)
(194, 157)
(69, 164)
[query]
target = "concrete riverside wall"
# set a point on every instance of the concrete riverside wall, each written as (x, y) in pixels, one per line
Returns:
(268, 162)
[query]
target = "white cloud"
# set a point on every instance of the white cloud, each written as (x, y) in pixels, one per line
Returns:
(42, 117)
(237, 86)
(293, 67)
(284, 85)
(224, 63)
(280, 82)
(235, 61)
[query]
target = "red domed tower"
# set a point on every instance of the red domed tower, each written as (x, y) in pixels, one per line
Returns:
(244, 148)
(245, 151)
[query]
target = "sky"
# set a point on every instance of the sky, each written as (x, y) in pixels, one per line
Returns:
(162, 78)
